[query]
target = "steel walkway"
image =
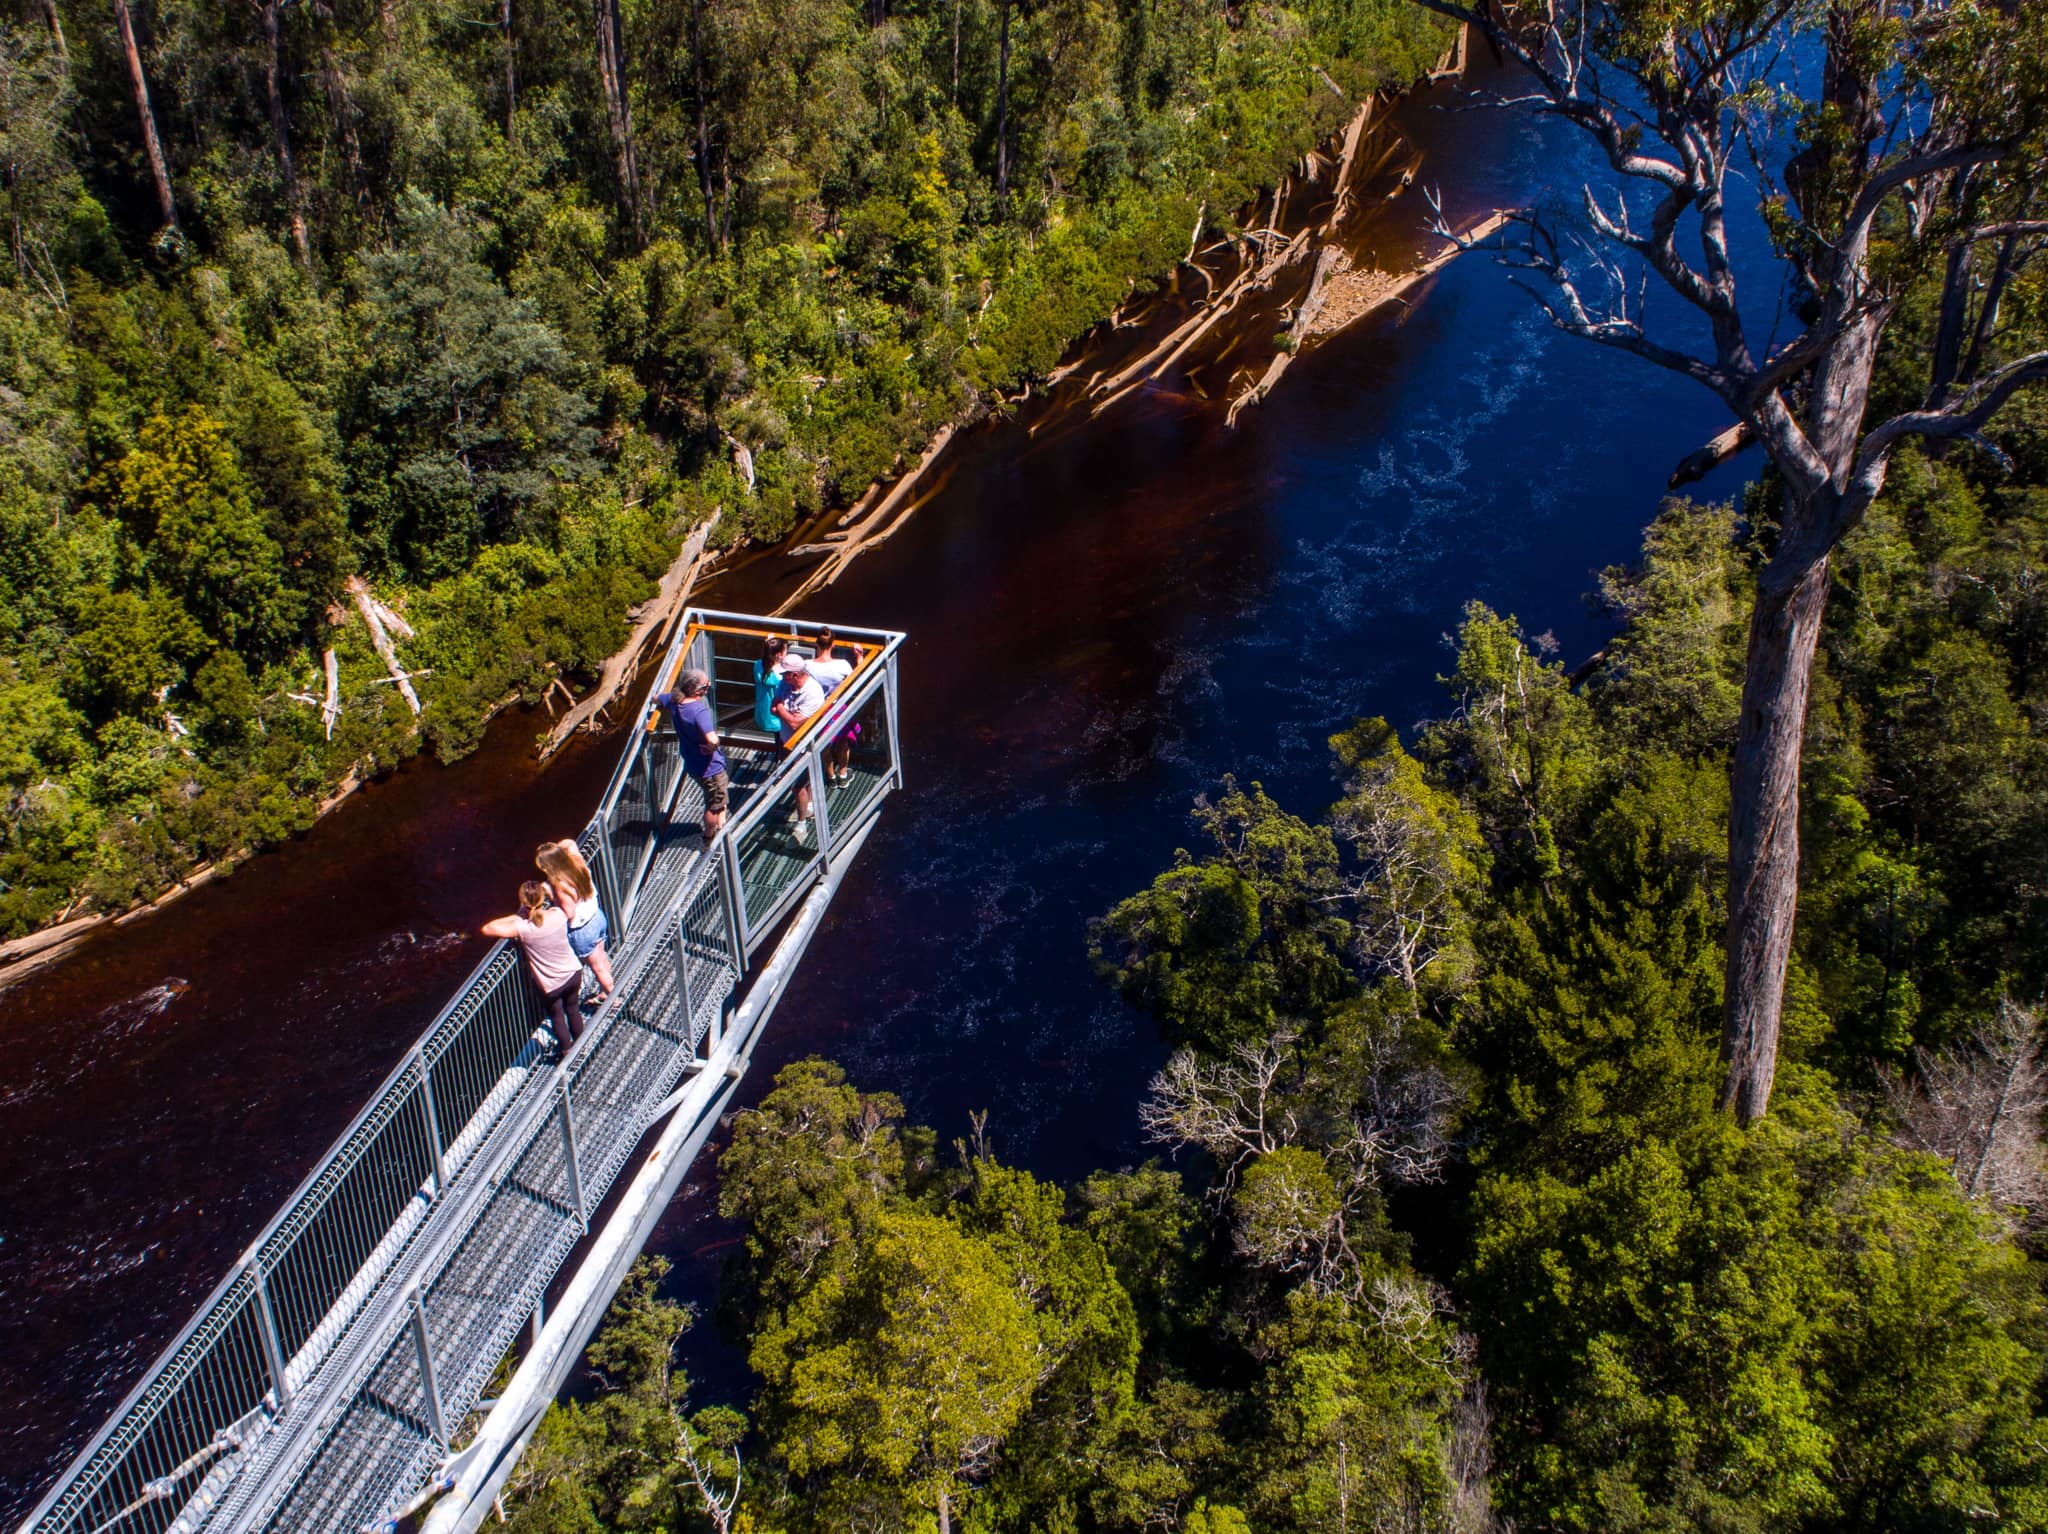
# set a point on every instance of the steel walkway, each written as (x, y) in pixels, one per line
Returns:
(328, 1378)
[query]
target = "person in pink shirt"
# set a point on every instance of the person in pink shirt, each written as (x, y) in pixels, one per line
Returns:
(542, 933)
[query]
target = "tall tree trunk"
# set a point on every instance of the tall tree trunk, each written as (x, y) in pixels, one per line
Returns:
(1003, 107)
(611, 68)
(1987, 311)
(1763, 823)
(511, 72)
(56, 25)
(159, 169)
(945, 1512)
(701, 109)
(343, 109)
(1784, 627)
(281, 133)
(1954, 316)
(954, 97)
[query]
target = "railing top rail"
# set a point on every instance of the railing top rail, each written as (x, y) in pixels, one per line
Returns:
(870, 653)
(395, 1082)
(794, 627)
(858, 688)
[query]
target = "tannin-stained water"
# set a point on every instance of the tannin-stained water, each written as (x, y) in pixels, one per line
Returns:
(1106, 614)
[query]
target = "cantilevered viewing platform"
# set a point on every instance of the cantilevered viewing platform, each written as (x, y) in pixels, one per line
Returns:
(334, 1380)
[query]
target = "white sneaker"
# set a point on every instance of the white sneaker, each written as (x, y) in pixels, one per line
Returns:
(801, 830)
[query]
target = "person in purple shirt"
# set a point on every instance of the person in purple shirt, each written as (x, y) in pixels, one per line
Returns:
(697, 733)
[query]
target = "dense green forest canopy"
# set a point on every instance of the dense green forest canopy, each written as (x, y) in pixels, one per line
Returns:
(488, 305)
(1454, 1235)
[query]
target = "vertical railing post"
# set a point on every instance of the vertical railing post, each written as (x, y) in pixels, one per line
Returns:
(735, 900)
(567, 1117)
(895, 747)
(434, 1137)
(816, 768)
(610, 865)
(273, 1344)
(432, 1387)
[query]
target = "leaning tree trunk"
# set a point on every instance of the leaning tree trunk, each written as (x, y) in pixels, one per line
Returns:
(281, 133)
(56, 25)
(1763, 818)
(159, 168)
(701, 129)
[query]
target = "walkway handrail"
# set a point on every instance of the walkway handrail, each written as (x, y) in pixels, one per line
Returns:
(271, 1324)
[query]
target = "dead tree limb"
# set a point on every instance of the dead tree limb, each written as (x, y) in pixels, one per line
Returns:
(374, 613)
(653, 619)
(871, 528)
(1702, 461)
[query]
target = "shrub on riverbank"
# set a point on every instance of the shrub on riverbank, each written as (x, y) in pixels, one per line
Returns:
(497, 380)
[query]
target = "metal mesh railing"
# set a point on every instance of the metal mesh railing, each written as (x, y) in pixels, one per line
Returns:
(491, 1266)
(285, 1321)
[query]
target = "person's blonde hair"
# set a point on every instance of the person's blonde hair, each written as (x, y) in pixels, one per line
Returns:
(561, 862)
(533, 895)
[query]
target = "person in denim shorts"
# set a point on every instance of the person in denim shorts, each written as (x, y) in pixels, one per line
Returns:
(575, 891)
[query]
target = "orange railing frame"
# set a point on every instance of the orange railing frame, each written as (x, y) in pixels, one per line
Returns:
(868, 654)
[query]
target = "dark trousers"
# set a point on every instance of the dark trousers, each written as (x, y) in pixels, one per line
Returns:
(564, 1015)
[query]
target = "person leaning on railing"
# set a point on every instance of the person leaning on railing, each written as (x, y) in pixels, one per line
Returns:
(800, 698)
(697, 734)
(574, 887)
(768, 683)
(830, 667)
(542, 933)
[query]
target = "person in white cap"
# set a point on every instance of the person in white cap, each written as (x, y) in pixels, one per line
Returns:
(801, 697)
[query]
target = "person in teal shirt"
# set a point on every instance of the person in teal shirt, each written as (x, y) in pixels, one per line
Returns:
(768, 685)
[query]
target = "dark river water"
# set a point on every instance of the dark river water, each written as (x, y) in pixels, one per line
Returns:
(1105, 616)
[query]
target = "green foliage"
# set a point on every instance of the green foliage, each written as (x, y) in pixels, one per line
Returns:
(1798, 1324)
(615, 1461)
(1222, 947)
(1672, 678)
(181, 497)
(493, 386)
(468, 415)
(1518, 749)
(921, 1360)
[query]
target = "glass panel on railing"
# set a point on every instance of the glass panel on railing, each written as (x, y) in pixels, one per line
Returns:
(737, 680)
(777, 849)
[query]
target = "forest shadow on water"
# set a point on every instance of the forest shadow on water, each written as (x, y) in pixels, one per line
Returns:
(1106, 616)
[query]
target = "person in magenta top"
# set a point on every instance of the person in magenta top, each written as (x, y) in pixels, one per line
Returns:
(542, 933)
